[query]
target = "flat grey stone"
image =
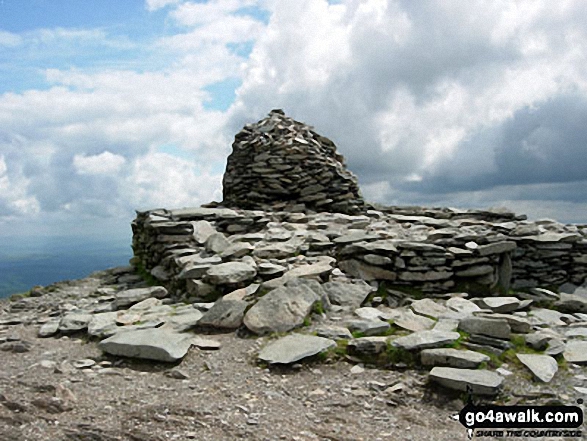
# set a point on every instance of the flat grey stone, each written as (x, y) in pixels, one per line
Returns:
(425, 340)
(462, 306)
(576, 352)
(103, 325)
(452, 357)
(571, 303)
(75, 321)
(294, 347)
(496, 248)
(225, 314)
(544, 294)
(500, 304)
(429, 308)
(136, 295)
(364, 271)
(413, 322)
(230, 273)
(367, 345)
(216, 243)
(334, 332)
(481, 382)
(152, 344)
(368, 327)
(576, 332)
(518, 324)
(446, 324)
(284, 308)
(183, 319)
(548, 317)
(202, 231)
(50, 328)
(349, 295)
(368, 313)
(498, 328)
(542, 366)
(237, 250)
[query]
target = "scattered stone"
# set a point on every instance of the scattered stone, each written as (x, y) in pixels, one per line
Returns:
(205, 343)
(293, 348)
(131, 296)
(230, 273)
(225, 314)
(153, 344)
(497, 328)
(50, 328)
(368, 327)
(576, 352)
(429, 308)
(452, 357)
(367, 345)
(284, 308)
(480, 381)
(334, 332)
(413, 322)
(500, 304)
(425, 340)
(542, 366)
(571, 303)
(74, 321)
(349, 295)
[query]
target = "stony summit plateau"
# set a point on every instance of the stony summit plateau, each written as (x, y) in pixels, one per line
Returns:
(295, 263)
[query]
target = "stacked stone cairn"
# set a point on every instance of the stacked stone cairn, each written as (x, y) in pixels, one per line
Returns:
(279, 163)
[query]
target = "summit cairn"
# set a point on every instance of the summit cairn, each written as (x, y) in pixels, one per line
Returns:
(282, 164)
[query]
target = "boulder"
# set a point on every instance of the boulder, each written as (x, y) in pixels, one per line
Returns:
(152, 344)
(294, 347)
(284, 308)
(480, 381)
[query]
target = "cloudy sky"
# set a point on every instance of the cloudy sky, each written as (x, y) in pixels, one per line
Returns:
(134, 104)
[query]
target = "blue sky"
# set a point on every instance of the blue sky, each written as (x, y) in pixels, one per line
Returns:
(129, 105)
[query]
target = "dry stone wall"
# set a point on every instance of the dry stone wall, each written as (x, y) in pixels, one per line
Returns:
(202, 252)
(282, 164)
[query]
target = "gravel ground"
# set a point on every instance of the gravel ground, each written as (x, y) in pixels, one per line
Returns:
(47, 394)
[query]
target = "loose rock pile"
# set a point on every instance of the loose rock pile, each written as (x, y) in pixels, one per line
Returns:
(279, 163)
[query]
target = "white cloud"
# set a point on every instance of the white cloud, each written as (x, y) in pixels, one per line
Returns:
(153, 5)
(105, 163)
(192, 14)
(9, 39)
(14, 200)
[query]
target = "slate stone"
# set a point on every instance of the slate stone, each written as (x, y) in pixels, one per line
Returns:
(50, 328)
(519, 325)
(462, 306)
(136, 295)
(368, 327)
(576, 352)
(452, 357)
(364, 271)
(216, 243)
(497, 328)
(480, 381)
(349, 295)
(367, 345)
(334, 332)
(152, 344)
(500, 304)
(542, 366)
(225, 314)
(413, 322)
(429, 308)
(294, 347)
(103, 325)
(74, 321)
(425, 340)
(202, 230)
(571, 303)
(284, 308)
(230, 273)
